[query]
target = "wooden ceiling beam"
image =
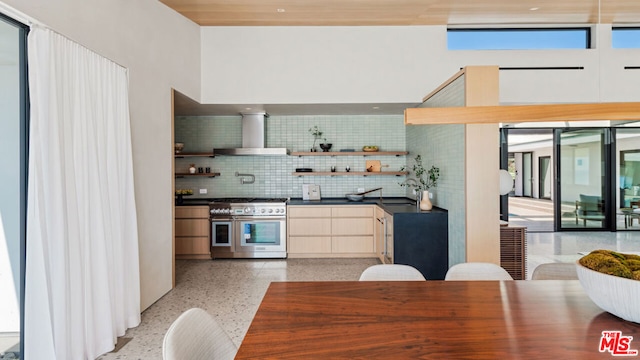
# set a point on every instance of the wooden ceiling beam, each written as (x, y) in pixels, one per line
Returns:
(523, 113)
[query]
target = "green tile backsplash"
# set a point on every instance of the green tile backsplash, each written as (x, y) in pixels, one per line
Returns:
(274, 173)
(443, 146)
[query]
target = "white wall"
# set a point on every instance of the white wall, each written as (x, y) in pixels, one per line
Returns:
(161, 49)
(281, 65)
(356, 64)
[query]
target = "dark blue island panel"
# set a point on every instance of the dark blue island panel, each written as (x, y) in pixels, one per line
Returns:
(422, 241)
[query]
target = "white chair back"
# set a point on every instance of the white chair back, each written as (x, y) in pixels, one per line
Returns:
(477, 271)
(195, 335)
(555, 271)
(391, 272)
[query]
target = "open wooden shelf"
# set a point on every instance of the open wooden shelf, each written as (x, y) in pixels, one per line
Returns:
(349, 153)
(351, 173)
(183, 155)
(213, 174)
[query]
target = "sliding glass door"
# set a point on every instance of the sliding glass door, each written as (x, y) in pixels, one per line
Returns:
(583, 199)
(13, 165)
(544, 177)
(527, 174)
(628, 185)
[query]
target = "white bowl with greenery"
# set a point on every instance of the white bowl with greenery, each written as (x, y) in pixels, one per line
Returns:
(614, 294)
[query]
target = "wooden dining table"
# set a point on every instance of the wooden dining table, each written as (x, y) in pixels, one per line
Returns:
(550, 319)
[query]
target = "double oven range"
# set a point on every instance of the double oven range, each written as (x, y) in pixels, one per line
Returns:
(248, 228)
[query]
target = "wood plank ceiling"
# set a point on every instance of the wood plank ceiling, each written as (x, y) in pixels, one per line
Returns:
(405, 12)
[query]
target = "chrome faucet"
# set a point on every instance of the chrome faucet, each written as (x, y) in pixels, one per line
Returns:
(413, 182)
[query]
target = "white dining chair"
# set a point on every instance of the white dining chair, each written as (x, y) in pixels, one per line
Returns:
(391, 272)
(555, 271)
(195, 335)
(477, 271)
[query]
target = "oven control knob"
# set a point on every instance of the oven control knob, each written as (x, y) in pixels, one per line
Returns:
(270, 211)
(247, 210)
(262, 211)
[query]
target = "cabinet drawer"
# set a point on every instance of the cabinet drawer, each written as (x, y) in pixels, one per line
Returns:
(192, 227)
(309, 227)
(353, 226)
(352, 244)
(309, 245)
(309, 211)
(352, 211)
(192, 212)
(192, 245)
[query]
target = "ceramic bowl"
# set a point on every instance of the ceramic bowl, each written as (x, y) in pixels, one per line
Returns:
(616, 295)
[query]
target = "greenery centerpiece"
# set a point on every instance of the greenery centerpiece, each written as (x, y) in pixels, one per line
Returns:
(422, 182)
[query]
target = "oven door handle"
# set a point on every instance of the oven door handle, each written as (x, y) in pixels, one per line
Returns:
(263, 218)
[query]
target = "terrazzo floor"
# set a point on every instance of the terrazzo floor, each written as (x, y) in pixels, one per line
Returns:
(231, 290)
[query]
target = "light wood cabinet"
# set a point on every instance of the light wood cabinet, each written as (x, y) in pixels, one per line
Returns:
(308, 230)
(352, 226)
(379, 234)
(352, 244)
(309, 245)
(310, 227)
(388, 257)
(331, 231)
(192, 232)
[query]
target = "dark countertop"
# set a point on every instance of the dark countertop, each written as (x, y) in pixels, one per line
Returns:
(392, 205)
(195, 202)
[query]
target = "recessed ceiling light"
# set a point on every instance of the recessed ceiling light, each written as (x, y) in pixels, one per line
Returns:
(376, 107)
(280, 10)
(247, 108)
(534, 8)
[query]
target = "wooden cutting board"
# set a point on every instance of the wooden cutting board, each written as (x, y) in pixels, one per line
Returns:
(373, 164)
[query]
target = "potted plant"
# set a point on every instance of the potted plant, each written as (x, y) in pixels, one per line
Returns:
(425, 179)
(317, 134)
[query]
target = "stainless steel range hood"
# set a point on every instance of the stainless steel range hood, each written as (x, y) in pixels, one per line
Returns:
(253, 138)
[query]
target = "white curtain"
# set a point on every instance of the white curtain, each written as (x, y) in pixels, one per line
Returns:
(82, 274)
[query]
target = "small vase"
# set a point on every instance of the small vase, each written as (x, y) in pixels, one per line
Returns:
(192, 170)
(425, 203)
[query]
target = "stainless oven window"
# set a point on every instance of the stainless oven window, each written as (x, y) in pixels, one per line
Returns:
(260, 233)
(221, 233)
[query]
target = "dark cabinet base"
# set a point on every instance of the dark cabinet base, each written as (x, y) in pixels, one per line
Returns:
(422, 241)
